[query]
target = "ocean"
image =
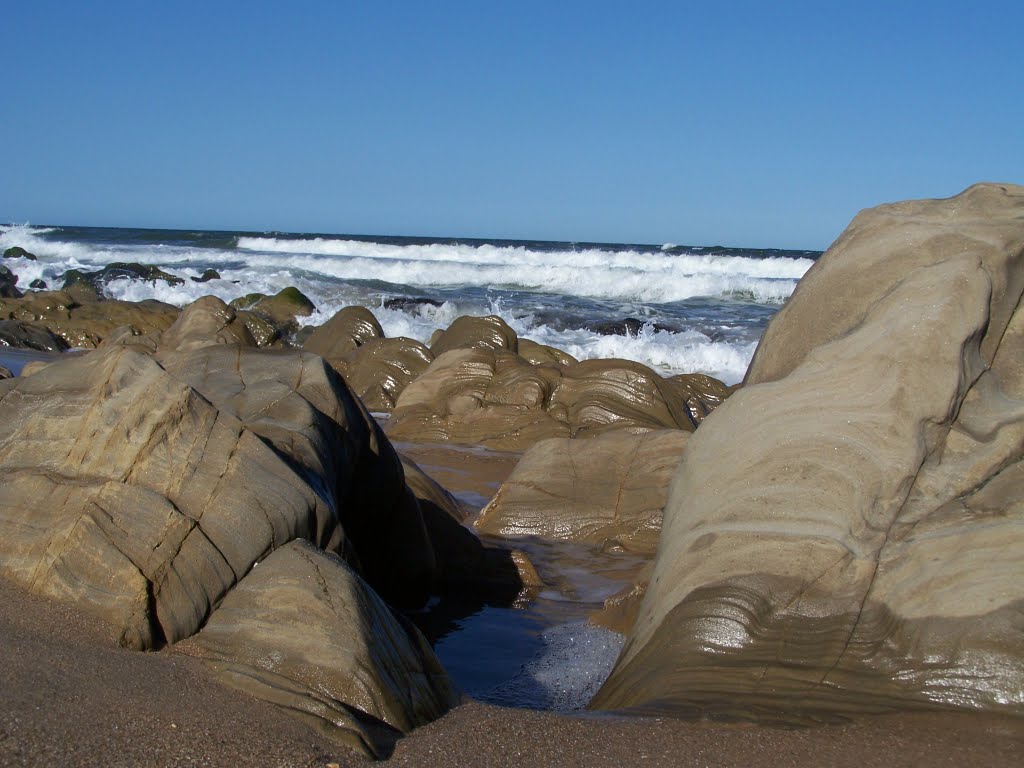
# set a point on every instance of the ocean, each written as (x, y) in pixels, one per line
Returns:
(699, 308)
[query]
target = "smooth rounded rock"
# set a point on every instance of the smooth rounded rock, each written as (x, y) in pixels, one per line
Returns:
(844, 532)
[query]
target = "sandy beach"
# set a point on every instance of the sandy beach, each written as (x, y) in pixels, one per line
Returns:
(71, 699)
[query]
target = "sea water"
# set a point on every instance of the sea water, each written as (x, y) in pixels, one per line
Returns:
(702, 308)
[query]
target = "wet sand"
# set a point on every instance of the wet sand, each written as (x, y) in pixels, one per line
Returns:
(70, 699)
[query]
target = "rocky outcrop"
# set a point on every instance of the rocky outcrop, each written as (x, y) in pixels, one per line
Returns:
(380, 369)
(206, 321)
(348, 329)
(490, 332)
(143, 491)
(303, 631)
(17, 252)
(608, 492)
(844, 533)
(81, 319)
(478, 396)
(119, 271)
(496, 398)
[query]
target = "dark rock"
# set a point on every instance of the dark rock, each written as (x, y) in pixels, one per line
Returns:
(8, 280)
(38, 284)
(629, 326)
(406, 303)
(119, 271)
(28, 336)
(207, 276)
(17, 252)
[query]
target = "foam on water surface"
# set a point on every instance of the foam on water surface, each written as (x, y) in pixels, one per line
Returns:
(706, 307)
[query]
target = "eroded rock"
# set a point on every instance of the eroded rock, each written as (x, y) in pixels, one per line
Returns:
(305, 632)
(496, 398)
(348, 329)
(844, 533)
(490, 332)
(143, 491)
(607, 492)
(380, 369)
(478, 396)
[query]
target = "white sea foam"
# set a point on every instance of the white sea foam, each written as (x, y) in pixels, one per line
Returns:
(333, 280)
(565, 674)
(633, 275)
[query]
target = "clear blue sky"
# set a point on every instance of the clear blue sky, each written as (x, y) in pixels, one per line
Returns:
(751, 124)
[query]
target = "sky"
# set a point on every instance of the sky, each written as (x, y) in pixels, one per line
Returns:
(740, 123)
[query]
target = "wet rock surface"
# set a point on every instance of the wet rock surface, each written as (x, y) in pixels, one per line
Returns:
(843, 534)
(144, 489)
(348, 329)
(608, 492)
(303, 630)
(498, 399)
(81, 318)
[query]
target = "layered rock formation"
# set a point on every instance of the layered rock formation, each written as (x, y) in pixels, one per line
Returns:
(845, 533)
(81, 318)
(608, 492)
(144, 488)
(304, 631)
(493, 397)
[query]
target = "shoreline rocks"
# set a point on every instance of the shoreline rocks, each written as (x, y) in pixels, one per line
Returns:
(844, 533)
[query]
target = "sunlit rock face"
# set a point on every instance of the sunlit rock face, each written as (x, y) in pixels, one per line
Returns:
(846, 532)
(494, 397)
(144, 490)
(303, 631)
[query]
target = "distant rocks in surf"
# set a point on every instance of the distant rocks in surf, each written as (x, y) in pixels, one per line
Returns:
(207, 276)
(17, 252)
(410, 303)
(629, 326)
(118, 271)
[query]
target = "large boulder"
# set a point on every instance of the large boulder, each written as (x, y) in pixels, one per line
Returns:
(466, 332)
(845, 532)
(380, 369)
(608, 492)
(304, 631)
(348, 329)
(206, 321)
(144, 490)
